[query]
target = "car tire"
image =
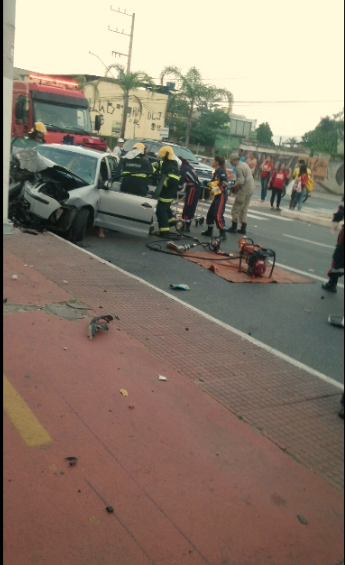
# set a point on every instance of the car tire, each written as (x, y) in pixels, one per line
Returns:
(79, 225)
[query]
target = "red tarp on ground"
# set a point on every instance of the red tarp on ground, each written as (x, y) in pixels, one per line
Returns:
(228, 270)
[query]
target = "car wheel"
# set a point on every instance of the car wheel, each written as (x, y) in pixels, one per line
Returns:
(78, 229)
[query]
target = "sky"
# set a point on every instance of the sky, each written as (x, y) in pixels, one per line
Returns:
(279, 50)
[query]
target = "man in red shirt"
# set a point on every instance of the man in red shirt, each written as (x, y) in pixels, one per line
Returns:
(277, 182)
(266, 169)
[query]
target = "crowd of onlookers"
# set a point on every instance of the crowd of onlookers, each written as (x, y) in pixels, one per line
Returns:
(276, 179)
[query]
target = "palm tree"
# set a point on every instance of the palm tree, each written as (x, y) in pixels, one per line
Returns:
(192, 89)
(292, 141)
(127, 82)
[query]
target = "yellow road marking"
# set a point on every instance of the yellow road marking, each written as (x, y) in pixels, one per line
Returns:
(23, 419)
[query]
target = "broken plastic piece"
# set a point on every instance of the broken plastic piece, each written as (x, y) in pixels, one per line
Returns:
(179, 287)
(14, 277)
(124, 392)
(337, 321)
(161, 378)
(72, 460)
(303, 520)
(94, 327)
(65, 282)
(110, 509)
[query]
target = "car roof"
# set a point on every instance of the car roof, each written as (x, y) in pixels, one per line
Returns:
(76, 149)
(145, 139)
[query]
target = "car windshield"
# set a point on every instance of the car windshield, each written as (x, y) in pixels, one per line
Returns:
(185, 154)
(84, 166)
(64, 119)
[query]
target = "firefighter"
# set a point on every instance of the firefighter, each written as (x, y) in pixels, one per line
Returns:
(189, 180)
(136, 169)
(38, 132)
(218, 188)
(167, 166)
(337, 269)
(243, 188)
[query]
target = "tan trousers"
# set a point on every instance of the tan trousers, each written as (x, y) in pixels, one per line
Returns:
(240, 207)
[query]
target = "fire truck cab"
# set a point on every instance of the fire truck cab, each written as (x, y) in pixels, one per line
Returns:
(59, 105)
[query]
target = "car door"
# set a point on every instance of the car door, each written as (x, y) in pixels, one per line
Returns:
(123, 212)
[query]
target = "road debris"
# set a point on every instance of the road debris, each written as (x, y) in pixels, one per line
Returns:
(303, 520)
(179, 287)
(94, 326)
(124, 392)
(14, 277)
(161, 378)
(30, 232)
(116, 318)
(65, 282)
(110, 509)
(131, 406)
(65, 348)
(72, 460)
(4, 300)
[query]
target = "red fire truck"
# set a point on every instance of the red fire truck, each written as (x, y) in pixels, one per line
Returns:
(59, 105)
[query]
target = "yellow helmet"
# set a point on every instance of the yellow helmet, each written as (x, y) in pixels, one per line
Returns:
(166, 151)
(140, 146)
(40, 127)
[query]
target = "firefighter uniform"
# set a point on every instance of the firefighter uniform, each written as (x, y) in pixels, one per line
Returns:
(189, 179)
(165, 216)
(218, 186)
(246, 185)
(337, 269)
(136, 170)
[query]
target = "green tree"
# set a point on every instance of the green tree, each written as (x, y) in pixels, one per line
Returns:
(194, 91)
(176, 116)
(291, 142)
(264, 134)
(326, 136)
(204, 128)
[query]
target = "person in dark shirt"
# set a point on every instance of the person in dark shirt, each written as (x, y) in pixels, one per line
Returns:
(136, 170)
(189, 180)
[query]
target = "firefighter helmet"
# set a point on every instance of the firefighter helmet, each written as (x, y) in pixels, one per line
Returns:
(40, 127)
(166, 151)
(140, 146)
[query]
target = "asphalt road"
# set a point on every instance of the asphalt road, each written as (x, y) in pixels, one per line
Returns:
(292, 318)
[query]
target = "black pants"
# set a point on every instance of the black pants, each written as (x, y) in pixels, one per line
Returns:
(191, 202)
(337, 269)
(276, 192)
(165, 216)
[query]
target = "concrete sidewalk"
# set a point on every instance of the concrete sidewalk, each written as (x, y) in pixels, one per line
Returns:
(212, 466)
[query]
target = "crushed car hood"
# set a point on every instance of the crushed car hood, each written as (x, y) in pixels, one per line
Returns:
(30, 160)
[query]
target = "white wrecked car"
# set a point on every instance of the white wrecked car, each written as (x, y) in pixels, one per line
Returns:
(72, 188)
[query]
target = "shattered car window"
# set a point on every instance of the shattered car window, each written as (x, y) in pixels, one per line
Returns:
(82, 165)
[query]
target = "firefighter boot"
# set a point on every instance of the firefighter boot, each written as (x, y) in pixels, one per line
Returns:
(208, 232)
(233, 228)
(222, 235)
(331, 286)
(243, 229)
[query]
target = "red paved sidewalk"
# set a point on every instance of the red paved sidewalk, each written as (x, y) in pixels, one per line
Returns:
(189, 481)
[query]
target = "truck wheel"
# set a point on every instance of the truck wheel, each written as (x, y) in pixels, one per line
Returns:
(78, 229)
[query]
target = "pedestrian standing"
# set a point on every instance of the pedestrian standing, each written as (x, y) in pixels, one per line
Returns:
(266, 168)
(243, 188)
(295, 176)
(189, 180)
(277, 182)
(251, 162)
(118, 151)
(337, 269)
(218, 187)
(301, 189)
(241, 155)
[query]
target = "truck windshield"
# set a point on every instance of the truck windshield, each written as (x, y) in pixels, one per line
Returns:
(61, 118)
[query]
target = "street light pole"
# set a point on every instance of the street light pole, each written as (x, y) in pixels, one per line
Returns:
(9, 14)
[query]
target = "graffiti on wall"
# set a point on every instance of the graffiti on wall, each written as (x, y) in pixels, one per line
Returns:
(104, 107)
(318, 166)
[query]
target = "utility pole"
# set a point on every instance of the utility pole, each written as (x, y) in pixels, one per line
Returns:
(131, 36)
(9, 14)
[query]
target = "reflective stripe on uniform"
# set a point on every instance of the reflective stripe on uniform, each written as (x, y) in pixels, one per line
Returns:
(164, 229)
(172, 220)
(167, 200)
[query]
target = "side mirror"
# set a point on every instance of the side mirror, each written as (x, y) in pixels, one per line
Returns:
(98, 122)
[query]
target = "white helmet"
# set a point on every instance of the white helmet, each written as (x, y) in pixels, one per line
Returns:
(120, 140)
